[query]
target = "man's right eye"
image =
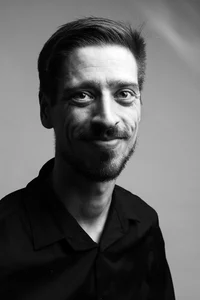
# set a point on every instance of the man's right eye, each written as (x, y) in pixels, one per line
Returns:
(82, 97)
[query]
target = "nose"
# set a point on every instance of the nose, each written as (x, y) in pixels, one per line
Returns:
(105, 112)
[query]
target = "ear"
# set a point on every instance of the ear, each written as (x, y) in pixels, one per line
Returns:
(45, 109)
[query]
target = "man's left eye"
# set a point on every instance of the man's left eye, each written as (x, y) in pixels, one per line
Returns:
(125, 95)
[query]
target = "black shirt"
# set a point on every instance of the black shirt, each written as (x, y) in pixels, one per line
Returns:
(45, 254)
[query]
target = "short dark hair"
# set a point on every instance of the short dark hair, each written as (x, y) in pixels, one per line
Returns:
(81, 33)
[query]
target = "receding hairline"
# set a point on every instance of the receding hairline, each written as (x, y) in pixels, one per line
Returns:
(75, 52)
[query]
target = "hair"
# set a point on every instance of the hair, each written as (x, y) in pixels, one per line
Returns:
(90, 31)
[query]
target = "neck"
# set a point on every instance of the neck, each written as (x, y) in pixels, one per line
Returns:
(86, 200)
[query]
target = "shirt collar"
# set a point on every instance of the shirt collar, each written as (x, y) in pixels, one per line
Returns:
(50, 222)
(126, 204)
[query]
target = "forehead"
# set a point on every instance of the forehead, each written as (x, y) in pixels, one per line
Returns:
(100, 63)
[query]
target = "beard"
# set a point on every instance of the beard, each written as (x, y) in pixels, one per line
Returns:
(103, 169)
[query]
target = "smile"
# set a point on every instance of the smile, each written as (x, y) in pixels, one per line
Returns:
(106, 144)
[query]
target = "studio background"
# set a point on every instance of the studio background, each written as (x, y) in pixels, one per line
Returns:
(165, 168)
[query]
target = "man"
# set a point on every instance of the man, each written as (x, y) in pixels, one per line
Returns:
(72, 233)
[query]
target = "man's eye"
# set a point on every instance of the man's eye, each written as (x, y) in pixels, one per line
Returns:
(125, 95)
(82, 97)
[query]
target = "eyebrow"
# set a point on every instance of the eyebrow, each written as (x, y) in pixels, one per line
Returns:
(93, 84)
(122, 83)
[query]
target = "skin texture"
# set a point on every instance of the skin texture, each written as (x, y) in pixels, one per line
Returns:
(95, 120)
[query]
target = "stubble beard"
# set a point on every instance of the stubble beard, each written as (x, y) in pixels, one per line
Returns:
(103, 171)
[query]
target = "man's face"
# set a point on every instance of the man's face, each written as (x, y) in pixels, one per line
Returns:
(97, 111)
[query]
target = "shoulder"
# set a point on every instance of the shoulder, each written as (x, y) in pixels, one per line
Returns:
(137, 209)
(133, 205)
(13, 223)
(11, 203)
(14, 203)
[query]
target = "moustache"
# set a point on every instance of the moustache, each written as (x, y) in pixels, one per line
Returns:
(104, 133)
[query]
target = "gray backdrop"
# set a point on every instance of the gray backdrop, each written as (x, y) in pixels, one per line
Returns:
(165, 168)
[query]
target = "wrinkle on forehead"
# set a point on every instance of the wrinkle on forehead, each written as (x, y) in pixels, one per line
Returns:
(101, 61)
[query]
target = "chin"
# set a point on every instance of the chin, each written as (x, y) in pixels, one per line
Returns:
(105, 169)
(103, 174)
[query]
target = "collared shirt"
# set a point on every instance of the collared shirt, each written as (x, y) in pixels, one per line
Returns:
(46, 255)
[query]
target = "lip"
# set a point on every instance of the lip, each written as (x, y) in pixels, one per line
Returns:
(108, 144)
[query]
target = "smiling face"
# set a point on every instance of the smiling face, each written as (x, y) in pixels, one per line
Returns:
(97, 111)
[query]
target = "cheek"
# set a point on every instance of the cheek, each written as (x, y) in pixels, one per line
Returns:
(75, 121)
(62, 119)
(131, 117)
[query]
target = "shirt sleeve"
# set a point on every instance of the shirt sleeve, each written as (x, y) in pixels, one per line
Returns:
(159, 275)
